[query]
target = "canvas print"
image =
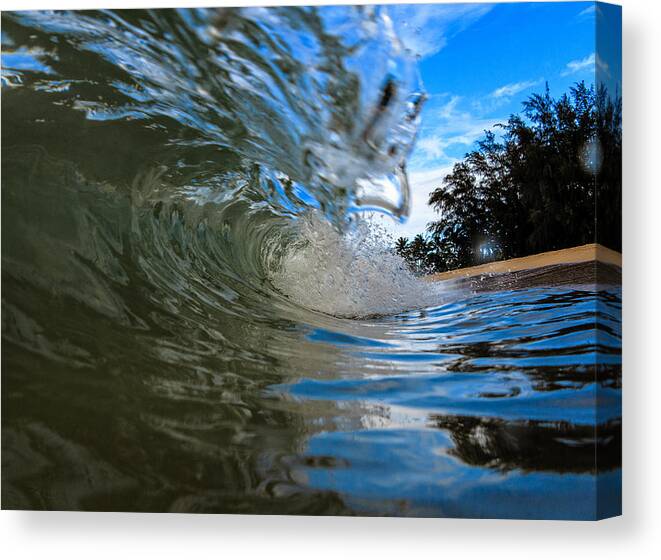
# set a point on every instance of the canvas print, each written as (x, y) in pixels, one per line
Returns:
(313, 260)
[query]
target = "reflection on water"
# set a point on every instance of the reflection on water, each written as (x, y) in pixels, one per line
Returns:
(491, 405)
(159, 349)
(500, 404)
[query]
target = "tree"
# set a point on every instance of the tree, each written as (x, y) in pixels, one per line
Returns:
(401, 246)
(547, 183)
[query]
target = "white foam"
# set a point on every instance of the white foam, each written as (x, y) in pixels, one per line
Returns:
(355, 274)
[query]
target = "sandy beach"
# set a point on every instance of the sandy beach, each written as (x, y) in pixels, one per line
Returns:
(585, 264)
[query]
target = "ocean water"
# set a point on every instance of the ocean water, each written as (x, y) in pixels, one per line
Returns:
(197, 318)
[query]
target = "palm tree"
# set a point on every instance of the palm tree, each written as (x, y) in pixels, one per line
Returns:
(401, 246)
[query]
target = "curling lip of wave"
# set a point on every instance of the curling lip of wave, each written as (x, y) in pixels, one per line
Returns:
(327, 100)
(301, 116)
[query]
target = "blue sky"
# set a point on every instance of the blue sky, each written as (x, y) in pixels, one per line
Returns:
(480, 61)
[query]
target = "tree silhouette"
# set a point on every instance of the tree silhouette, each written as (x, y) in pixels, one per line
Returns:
(401, 245)
(552, 180)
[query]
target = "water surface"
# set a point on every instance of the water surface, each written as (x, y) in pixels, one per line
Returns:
(194, 318)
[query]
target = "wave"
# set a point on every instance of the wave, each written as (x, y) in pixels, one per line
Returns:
(274, 128)
(190, 290)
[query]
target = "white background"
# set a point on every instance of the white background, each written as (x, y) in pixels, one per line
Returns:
(637, 534)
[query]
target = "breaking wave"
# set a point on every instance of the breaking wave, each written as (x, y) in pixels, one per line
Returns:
(196, 315)
(270, 131)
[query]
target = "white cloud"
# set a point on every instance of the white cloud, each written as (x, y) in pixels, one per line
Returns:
(426, 28)
(449, 109)
(588, 63)
(602, 65)
(509, 90)
(447, 127)
(591, 9)
(470, 129)
(432, 149)
(575, 66)
(432, 146)
(421, 183)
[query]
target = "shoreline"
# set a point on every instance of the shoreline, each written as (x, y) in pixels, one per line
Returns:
(585, 264)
